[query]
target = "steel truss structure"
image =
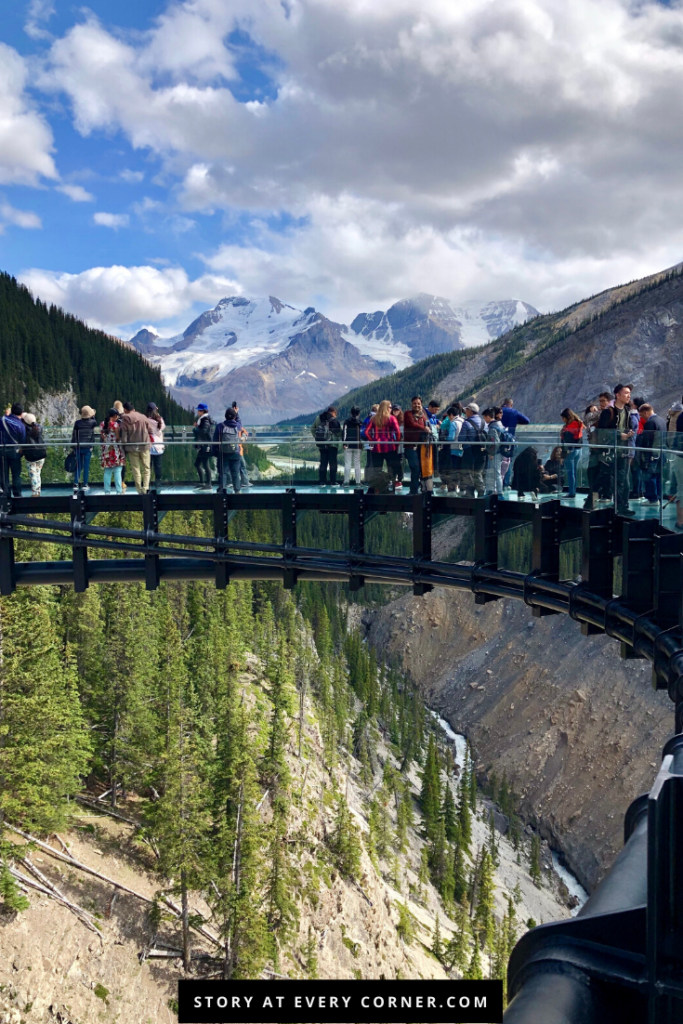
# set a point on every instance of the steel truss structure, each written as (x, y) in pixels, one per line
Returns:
(621, 959)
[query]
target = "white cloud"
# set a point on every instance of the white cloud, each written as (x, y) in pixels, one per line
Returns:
(113, 297)
(38, 11)
(132, 177)
(76, 193)
(111, 220)
(25, 138)
(516, 146)
(20, 218)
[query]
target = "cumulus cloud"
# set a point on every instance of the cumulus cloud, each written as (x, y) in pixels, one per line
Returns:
(111, 220)
(114, 297)
(76, 193)
(25, 138)
(20, 218)
(132, 177)
(529, 140)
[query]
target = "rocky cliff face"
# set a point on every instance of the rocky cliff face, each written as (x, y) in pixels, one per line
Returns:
(632, 334)
(577, 730)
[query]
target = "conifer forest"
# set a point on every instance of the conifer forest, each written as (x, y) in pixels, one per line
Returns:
(199, 716)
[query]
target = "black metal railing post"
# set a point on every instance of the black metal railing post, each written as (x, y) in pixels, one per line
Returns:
(220, 531)
(79, 549)
(150, 517)
(422, 536)
(356, 534)
(289, 536)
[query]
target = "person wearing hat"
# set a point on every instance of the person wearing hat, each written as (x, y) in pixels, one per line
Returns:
(83, 436)
(474, 440)
(203, 433)
(35, 452)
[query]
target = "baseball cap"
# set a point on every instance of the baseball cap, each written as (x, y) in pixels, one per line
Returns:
(202, 407)
(473, 407)
(152, 405)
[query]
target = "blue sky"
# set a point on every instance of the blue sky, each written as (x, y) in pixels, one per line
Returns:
(339, 153)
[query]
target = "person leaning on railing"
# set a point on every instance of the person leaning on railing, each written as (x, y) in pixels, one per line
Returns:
(571, 435)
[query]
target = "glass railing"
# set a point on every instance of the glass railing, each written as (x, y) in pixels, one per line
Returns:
(641, 476)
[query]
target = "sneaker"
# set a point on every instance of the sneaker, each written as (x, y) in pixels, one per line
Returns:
(398, 486)
(678, 527)
(627, 512)
(86, 488)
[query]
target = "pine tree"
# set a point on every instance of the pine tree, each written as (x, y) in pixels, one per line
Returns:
(464, 814)
(44, 743)
(437, 944)
(430, 794)
(492, 839)
(485, 900)
(12, 900)
(457, 953)
(345, 842)
(459, 875)
(180, 820)
(535, 861)
(310, 955)
(474, 970)
(450, 816)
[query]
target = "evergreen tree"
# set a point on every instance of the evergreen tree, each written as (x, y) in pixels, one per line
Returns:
(12, 900)
(450, 815)
(492, 839)
(485, 901)
(437, 944)
(430, 794)
(459, 875)
(310, 955)
(345, 842)
(535, 860)
(464, 813)
(44, 743)
(474, 970)
(457, 953)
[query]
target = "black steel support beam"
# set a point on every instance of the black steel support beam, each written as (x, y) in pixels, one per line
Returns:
(597, 558)
(150, 520)
(357, 534)
(545, 547)
(79, 551)
(289, 536)
(221, 521)
(7, 573)
(486, 540)
(638, 556)
(422, 536)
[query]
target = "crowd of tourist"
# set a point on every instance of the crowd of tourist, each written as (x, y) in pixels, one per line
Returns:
(625, 447)
(620, 439)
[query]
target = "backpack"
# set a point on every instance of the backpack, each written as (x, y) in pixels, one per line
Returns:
(323, 434)
(229, 439)
(475, 451)
(507, 444)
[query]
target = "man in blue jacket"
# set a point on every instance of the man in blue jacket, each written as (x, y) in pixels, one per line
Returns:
(512, 418)
(13, 430)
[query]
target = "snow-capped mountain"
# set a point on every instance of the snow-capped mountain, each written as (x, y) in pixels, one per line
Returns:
(278, 361)
(273, 359)
(429, 324)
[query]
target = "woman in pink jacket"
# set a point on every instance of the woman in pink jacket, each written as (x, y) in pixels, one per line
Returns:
(385, 433)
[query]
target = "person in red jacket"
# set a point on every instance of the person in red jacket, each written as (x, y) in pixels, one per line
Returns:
(419, 450)
(571, 437)
(384, 431)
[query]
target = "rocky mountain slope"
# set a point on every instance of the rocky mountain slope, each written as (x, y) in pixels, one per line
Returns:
(579, 732)
(632, 333)
(126, 967)
(275, 359)
(429, 324)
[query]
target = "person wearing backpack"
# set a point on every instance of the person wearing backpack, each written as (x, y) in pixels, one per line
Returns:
(203, 432)
(571, 437)
(499, 439)
(474, 440)
(226, 438)
(418, 446)
(352, 442)
(13, 436)
(35, 452)
(327, 432)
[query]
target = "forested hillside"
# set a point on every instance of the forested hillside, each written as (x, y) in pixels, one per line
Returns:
(286, 789)
(43, 349)
(632, 333)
